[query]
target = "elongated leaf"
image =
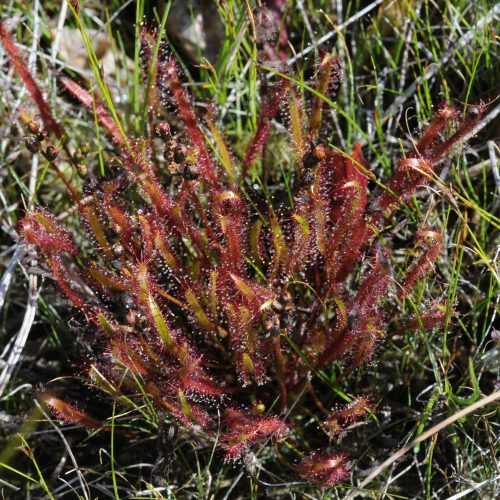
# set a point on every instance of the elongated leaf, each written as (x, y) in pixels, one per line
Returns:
(198, 310)
(160, 323)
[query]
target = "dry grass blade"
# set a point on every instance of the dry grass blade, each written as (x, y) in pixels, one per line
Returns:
(494, 162)
(474, 488)
(7, 275)
(426, 435)
(22, 336)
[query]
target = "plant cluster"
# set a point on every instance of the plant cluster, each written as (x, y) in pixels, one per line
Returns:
(219, 300)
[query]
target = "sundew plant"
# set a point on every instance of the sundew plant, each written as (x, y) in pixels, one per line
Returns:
(217, 292)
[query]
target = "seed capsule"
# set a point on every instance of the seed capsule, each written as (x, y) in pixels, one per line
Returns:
(319, 152)
(33, 126)
(312, 158)
(309, 160)
(175, 154)
(41, 135)
(82, 170)
(179, 156)
(163, 129)
(51, 152)
(191, 172)
(32, 144)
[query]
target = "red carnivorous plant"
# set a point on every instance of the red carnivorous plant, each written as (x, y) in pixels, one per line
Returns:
(218, 299)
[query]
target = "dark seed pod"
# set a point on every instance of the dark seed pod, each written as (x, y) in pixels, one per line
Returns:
(33, 126)
(308, 178)
(191, 172)
(110, 232)
(314, 156)
(309, 160)
(51, 152)
(179, 156)
(175, 152)
(82, 170)
(41, 135)
(319, 152)
(175, 156)
(163, 130)
(32, 144)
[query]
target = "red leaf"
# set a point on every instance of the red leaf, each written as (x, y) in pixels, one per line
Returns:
(242, 430)
(69, 413)
(31, 85)
(325, 470)
(42, 229)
